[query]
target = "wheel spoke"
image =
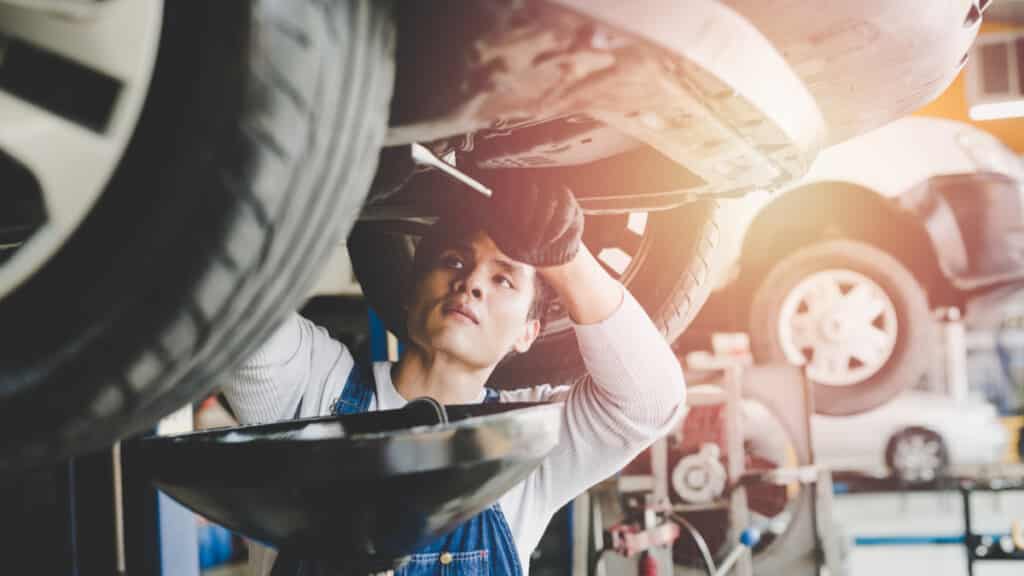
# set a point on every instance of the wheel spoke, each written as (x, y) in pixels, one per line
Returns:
(615, 260)
(830, 362)
(918, 458)
(916, 444)
(930, 455)
(864, 303)
(611, 272)
(109, 41)
(50, 90)
(870, 346)
(637, 222)
(803, 331)
(820, 366)
(850, 344)
(70, 163)
(63, 9)
(629, 241)
(824, 294)
(879, 338)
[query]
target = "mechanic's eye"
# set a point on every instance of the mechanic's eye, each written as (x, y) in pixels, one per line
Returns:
(452, 260)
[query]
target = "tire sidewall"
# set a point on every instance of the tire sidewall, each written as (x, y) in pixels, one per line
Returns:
(214, 225)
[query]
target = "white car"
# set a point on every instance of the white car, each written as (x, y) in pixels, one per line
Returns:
(917, 437)
(842, 269)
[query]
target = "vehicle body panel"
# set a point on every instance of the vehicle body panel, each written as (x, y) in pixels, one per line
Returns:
(887, 161)
(976, 222)
(735, 96)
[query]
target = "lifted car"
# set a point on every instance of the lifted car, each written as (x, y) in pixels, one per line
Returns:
(841, 270)
(183, 169)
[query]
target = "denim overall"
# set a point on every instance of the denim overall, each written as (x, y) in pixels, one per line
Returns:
(482, 545)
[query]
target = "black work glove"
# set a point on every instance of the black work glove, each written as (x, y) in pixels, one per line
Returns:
(534, 225)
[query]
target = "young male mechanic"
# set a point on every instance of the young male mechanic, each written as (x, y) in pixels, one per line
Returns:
(476, 297)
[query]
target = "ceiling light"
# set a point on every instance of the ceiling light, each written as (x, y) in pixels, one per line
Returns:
(997, 110)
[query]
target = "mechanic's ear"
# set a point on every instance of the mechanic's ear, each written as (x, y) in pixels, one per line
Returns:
(529, 335)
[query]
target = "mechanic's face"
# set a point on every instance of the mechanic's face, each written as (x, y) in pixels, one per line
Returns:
(473, 304)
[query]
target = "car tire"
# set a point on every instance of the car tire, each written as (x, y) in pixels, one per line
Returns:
(256, 146)
(917, 443)
(670, 280)
(902, 332)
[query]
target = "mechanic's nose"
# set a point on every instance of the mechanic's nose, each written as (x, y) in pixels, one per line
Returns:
(472, 281)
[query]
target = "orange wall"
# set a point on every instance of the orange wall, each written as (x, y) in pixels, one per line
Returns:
(953, 103)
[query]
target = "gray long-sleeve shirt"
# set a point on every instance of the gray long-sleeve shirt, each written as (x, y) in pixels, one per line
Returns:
(634, 394)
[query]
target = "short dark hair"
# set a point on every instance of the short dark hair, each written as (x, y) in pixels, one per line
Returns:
(448, 233)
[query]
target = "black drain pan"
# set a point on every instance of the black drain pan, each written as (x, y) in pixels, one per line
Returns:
(359, 490)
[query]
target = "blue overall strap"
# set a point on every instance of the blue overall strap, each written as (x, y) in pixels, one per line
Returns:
(491, 396)
(359, 390)
(481, 545)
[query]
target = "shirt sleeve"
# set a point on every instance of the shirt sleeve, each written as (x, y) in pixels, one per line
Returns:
(299, 371)
(633, 394)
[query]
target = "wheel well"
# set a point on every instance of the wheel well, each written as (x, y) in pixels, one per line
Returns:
(840, 210)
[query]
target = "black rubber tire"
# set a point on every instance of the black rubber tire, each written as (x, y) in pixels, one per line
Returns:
(909, 360)
(890, 453)
(254, 152)
(671, 282)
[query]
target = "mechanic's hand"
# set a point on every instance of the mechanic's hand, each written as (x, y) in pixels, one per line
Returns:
(534, 225)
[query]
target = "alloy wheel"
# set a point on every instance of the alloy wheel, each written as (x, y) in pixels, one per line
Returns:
(839, 323)
(73, 78)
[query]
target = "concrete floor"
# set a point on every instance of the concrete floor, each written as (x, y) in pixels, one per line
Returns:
(925, 514)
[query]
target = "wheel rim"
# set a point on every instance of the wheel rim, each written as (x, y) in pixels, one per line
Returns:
(840, 324)
(917, 458)
(619, 242)
(65, 154)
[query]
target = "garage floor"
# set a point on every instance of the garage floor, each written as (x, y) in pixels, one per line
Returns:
(878, 516)
(924, 514)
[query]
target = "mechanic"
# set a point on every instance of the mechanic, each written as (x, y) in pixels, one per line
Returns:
(479, 290)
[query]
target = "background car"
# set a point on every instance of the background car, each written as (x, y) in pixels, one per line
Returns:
(917, 437)
(841, 270)
(179, 171)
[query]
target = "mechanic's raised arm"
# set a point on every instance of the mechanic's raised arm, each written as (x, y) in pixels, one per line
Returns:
(297, 368)
(544, 228)
(585, 290)
(634, 389)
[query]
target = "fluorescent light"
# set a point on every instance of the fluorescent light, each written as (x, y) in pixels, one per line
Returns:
(997, 110)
